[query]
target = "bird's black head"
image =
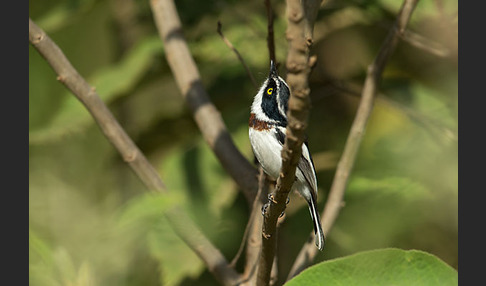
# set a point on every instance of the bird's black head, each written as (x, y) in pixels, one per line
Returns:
(273, 98)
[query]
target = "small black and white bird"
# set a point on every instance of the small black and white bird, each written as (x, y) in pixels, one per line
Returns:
(267, 129)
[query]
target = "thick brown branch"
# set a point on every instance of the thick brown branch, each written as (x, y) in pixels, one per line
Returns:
(206, 116)
(301, 17)
(346, 163)
(183, 226)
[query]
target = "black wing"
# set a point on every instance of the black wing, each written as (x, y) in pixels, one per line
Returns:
(280, 135)
(305, 165)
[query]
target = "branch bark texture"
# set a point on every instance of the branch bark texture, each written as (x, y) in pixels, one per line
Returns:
(180, 222)
(206, 116)
(301, 16)
(346, 163)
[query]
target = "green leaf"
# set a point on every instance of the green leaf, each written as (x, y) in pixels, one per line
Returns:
(380, 267)
(39, 249)
(195, 171)
(177, 260)
(147, 207)
(63, 13)
(85, 275)
(65, 265)
(41, 262)
(110, 83)
(433, 103)
(380, 210)
(406, 188)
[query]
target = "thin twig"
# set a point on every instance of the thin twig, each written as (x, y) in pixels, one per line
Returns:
(115, 134)
(254, 211)
(254, 241)
(431, 125)
(230, 45)
(206, 115)
(420, 42)
(345, 165)
(110, 127)
(270, 35)
(425, 44)
(301, 17)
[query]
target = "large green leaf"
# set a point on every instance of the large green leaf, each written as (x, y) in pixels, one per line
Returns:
(380, 267)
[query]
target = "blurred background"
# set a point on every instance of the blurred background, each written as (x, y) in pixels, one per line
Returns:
(91, 221)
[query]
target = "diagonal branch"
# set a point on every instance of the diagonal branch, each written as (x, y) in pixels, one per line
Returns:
(346, 163)
(110, 127)
(238, 55)
(180, 222)
(206, 116)
(432, 125)
(254, 218)
(301, 17)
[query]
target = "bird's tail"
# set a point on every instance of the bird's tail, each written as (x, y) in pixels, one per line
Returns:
(320, 239)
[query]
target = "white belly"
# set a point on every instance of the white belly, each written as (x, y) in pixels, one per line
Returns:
(267, 151)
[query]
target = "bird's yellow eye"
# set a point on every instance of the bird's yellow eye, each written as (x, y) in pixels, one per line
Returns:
(269, 91)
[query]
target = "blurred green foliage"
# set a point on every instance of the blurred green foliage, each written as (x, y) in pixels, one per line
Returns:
(91, 221)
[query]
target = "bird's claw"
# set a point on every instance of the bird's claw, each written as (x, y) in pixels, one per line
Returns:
(264, 208)
(271, 198)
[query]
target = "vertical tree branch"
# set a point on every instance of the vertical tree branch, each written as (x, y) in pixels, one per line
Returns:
(206, 116)
(254, 212)
(301, 17)
(179, 221)
(254, 241)
(346, 163)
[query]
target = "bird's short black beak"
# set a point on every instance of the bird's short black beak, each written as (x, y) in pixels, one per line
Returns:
(273, 69)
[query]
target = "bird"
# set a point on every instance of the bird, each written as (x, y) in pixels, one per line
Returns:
(267, 130)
